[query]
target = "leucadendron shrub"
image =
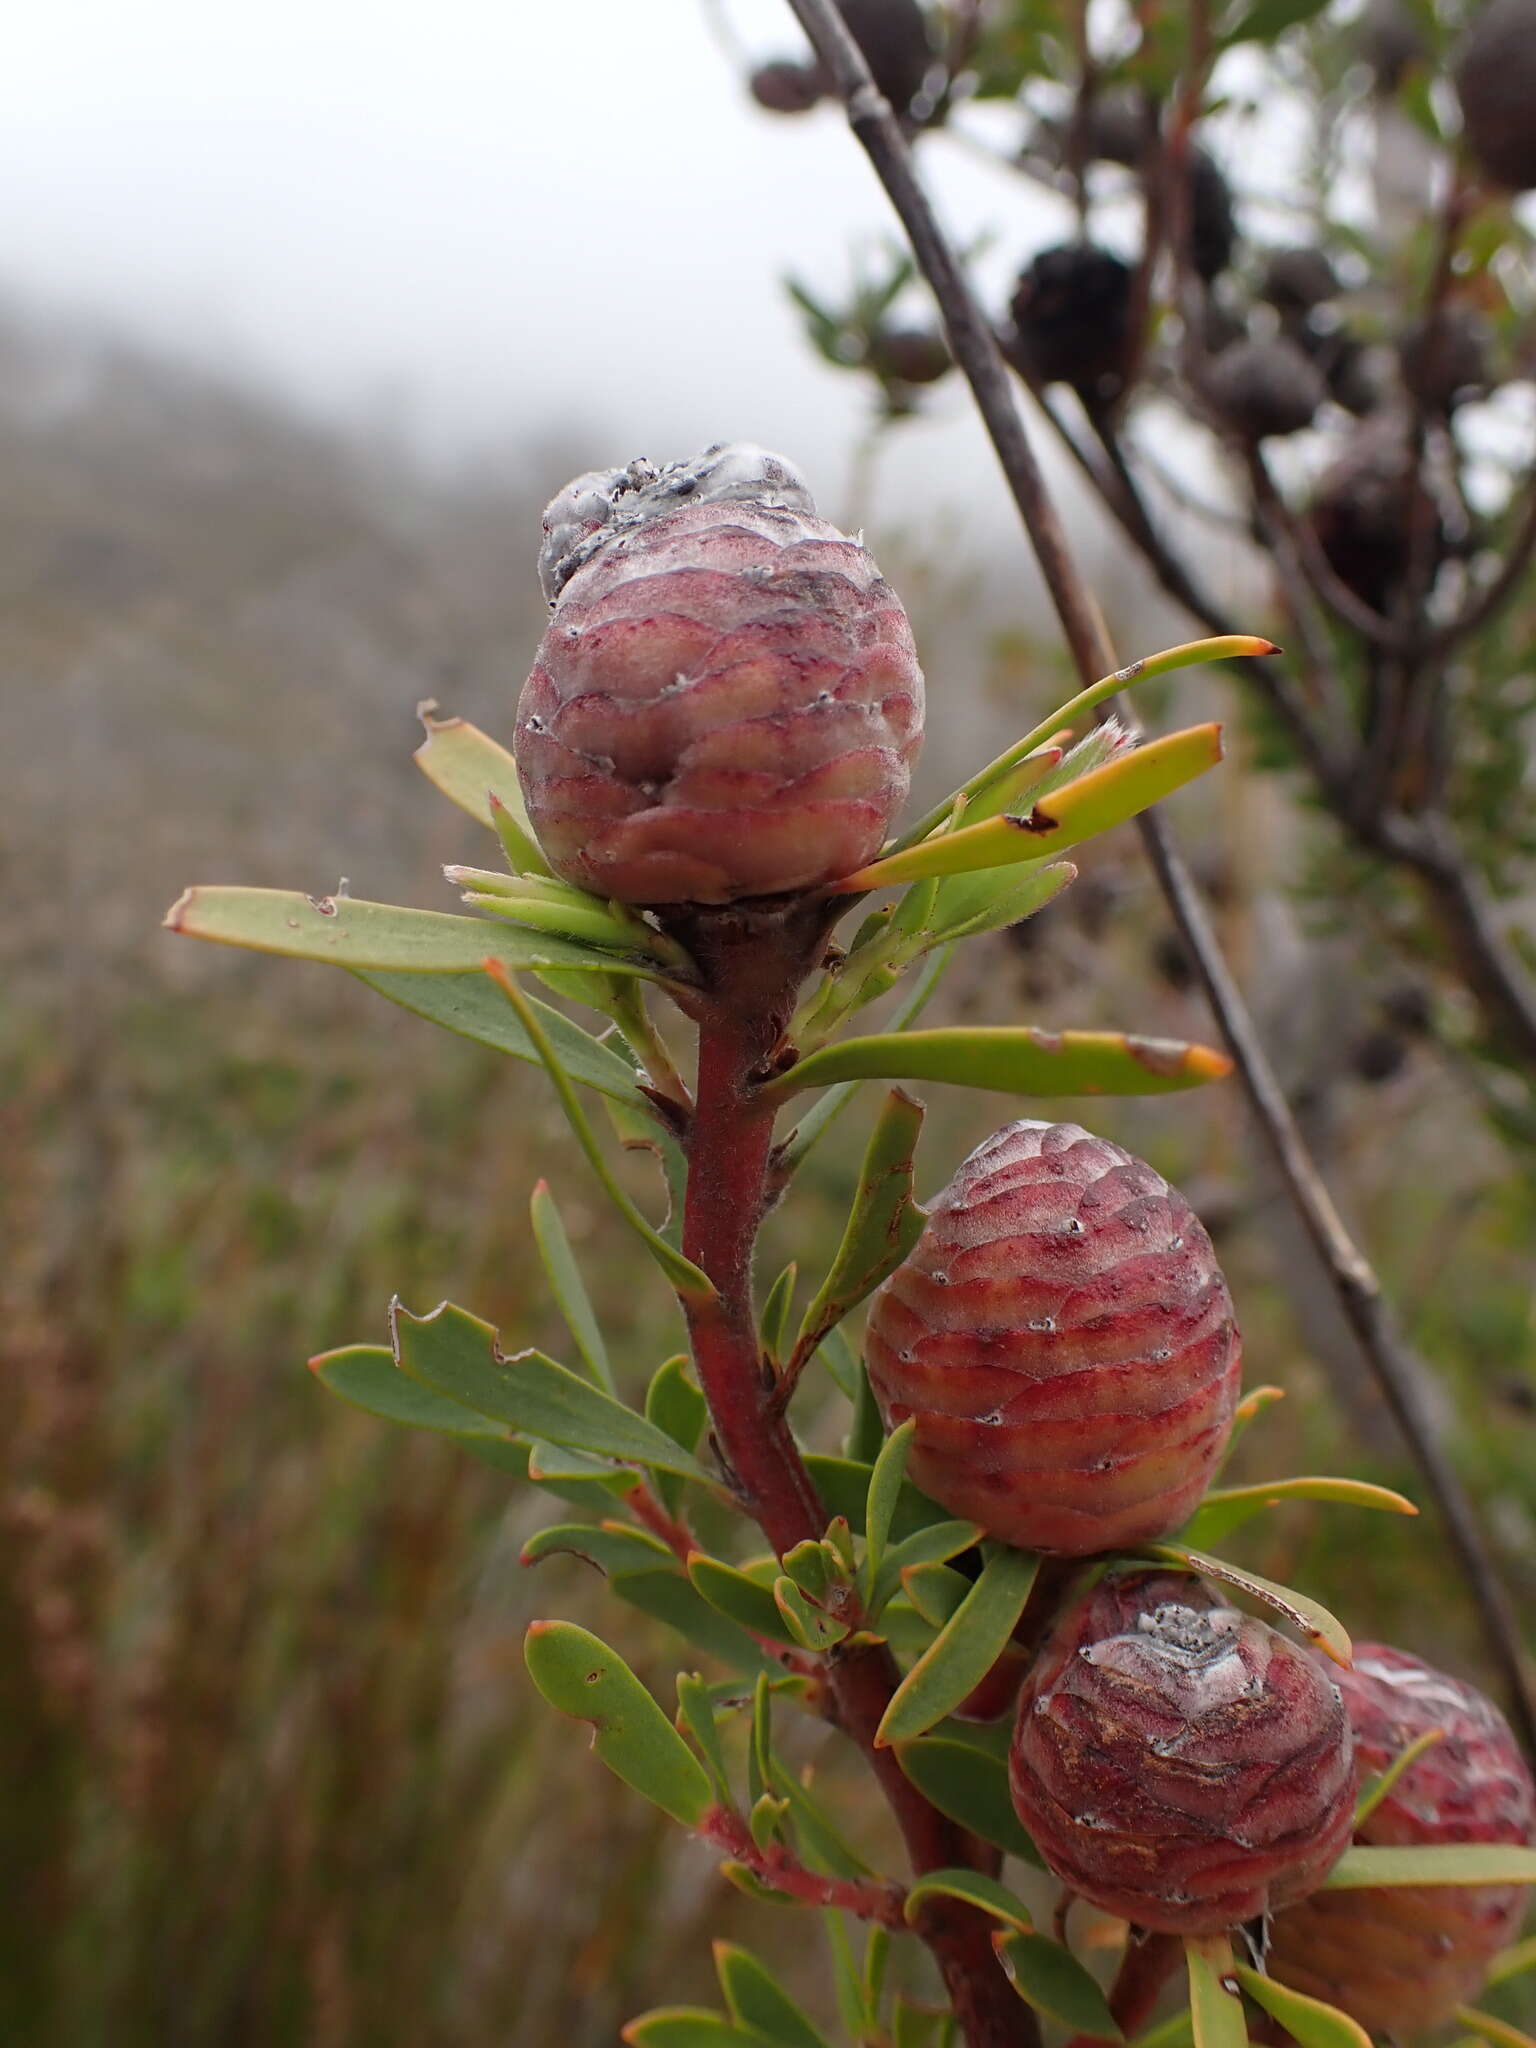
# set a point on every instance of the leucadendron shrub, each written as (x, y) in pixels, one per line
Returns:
(700, 836)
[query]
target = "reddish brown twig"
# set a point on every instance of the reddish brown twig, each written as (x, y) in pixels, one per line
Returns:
(867, 1898)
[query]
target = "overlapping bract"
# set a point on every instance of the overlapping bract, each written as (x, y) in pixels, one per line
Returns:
(1402, 1960)
(1177, 1763)
(727, 701)
(1064, 1337)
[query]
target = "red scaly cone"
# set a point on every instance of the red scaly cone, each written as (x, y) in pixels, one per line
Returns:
(1064, 1337)
(727, 702)
(1179, 1764)
(1402, 1960)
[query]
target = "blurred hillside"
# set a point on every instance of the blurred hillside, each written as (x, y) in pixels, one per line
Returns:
(267, 1755)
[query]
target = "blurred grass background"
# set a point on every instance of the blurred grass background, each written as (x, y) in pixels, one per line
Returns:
(269, 1767)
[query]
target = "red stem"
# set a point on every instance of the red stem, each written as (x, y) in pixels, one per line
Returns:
(754, 967)
(868, 1898)
(1144, 1969)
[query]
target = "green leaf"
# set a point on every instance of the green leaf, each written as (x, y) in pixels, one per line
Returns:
(837, 1355)
(843, 1484)
(612, 1546)
(1362, 1869)
(877, 1956)
(471, 769)
(1216, 2011)
(1373, 1792)
(1054, 1982)
(1490, 2031)
(745, 1601)
(970, 1786)
(668, 1597)
(1174, 2032)
(758, 2001)
(1190, 654)
(989, 901)
(776, 1311)
(931, 1546)
(696, 1710)
(1264, 20)
(367, 1376)
(566, 1283)
(1303, 1612)
(1308, 2021)
(471, 1006)
(883, 1224)
(684, 1275)
(570, 915)
(582, 1676)
(964, 1650)
(1083, 809)
(915, 2026)
(866, 1425)
(675, 1405)
(346, 931)
(1227, 1508)
(885, 1483)
(1015, 1059)
(809, 1625)
(976, 1890)
(458, 1356)
(1514, 1962)
(936, 1592)
(555, 1465)
(685, 2026)
(821, 1845)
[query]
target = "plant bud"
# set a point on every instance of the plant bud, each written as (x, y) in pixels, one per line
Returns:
(893, 34)
(1177, 1763)
(1064, 1337)
(1262, 388)
(1447, 358)
(1401, 1960)
(783, 87)
(727, 701)
(1495, 78)
(1071, 319)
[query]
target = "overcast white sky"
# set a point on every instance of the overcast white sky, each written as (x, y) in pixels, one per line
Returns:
(467, 217)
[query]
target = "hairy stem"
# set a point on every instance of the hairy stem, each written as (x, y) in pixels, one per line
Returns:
(754, 973)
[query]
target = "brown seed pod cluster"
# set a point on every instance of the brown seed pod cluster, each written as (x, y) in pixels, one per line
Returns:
(1065, 1340)
(727, 702)
(1179, 1764)
(1402, 1960)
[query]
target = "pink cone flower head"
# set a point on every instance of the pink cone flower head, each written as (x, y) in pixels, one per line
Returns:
(1064, 1337)
(727, 701)
(1179, 1764)
(1402, 1959)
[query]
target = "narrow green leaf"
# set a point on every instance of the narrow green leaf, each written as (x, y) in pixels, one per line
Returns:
(612, 1546)
(367, 1376)
(347, 931)
(883, 1225)
(760, 1748)
(1015, 1059)
(837, 1355)
(1373, 1793)
(554, 1465)
(936, 1592)
(1176, 2031)
(567, 1285)
(743, 1600)
(931, 1546)
(686, 2026)
(675, 1405)
(848, 1979)
(580, 1675)
(668, 1597)
(820, 1843)
(967, 1784)
(1491, 2030)
(964, 1650)
(1191, 654)
(995, 898)
(843, 1484)
(877, 1956)
(885, 1482)
(814, 1567)
(458, 1356)
(976, 1890)
(776, 1312)
(471, 769)
(758, 2001)
(684, 1275)
(471, 1006)
(1308, 2021)
(1094, 803)
(696, 1711)
(915, 2026)
(587, 922)
(866, 1425)
(1054, 1982)
(1215, 2010)
(1303, 1612)
(1228, 1508)
(1514, 1962)
(1361, 1869)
